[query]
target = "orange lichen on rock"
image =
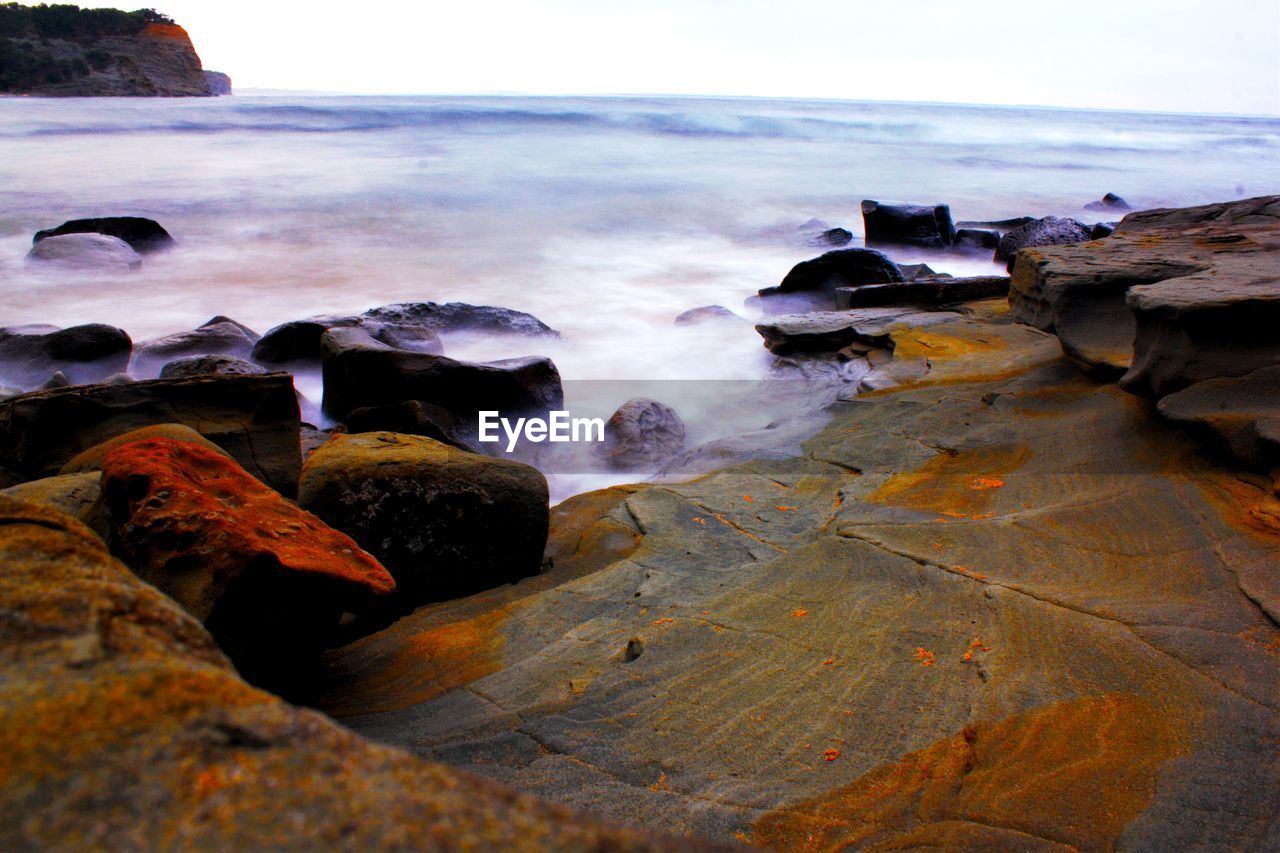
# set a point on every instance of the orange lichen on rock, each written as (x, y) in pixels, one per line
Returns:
(926, 657)
(831, 754)
(799, 613)
(955, 485)
(192, 522)
(1074, 773)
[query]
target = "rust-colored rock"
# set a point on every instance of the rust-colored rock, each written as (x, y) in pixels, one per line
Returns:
(91, 459)
(268, 579)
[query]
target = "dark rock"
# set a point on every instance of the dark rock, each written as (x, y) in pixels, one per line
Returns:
(269, 580)
(219, 84)
(1240, 414)
(1100, 230)
(1050, 231)
(924, 291)
(120, 378)
(928, 226)
(707, 314)
(218, 336)
(361, 372)
(443, 521)
(454, 317)
(911, 272)
(205, 365)
(143, 235)
(831, 238)
(28, 354)
(57, 380)
(815, 281)
(1000, 225)
(976, 240)
(414, 417)
(405, 337)
(297, 340)
(254, 418)
(642, 434)
(1108, 202)
(829, 331)
(85, 252)
(635, 648)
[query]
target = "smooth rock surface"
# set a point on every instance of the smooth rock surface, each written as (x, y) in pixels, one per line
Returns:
(927, 226)
(828, 331)
(814, 282)
(217, 336)
(91, 459)
(923, 291)
(90, 252)
(1240, 414)
(143, 235)
(86, 353)
(75, 494)
(642, 434)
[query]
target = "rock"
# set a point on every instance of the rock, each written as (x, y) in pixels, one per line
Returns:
(1099, 230)
(270, 581)
(91, 460)
(85, 252)
(414, 417)
(815, 281)
(7, 391)
(219, 84)
(976, 240)
(454, 317)
(1050, 231)
(707, 314)
(28, 354)
(911, 272)
(120, 378)
(1240, 414)
(829, 331)
(299, 340)
(218, 336)
(924, 291)
(75, 494)
(1001, 225)
(361, 372)
(57, 380)
(142, 235)
(405, 337)
(206, 365)
(928, 226)
(1108, 202)
(643, 434)
(443, 521)
(125, 727)
(254, 418)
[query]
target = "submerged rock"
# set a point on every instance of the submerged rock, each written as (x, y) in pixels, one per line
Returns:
(927, 226)
(707, 314)
(443, 521)
(85, 252)
(976, 240)
(217, 336)
(1108, 202)
(1049, 231)
(88, 353)
(642, 434)
(143, 235)
(269, 580)
(453, 317)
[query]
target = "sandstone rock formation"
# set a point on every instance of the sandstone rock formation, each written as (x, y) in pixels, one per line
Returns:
(828, 331)
(92, 459)
(75, 494)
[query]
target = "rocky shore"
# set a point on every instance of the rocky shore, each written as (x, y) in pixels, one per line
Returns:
(1021, 590)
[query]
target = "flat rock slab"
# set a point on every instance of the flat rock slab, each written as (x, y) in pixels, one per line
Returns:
(828, 331)
(1001, 606)
(923, 291)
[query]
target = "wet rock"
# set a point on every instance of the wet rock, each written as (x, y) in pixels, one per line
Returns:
(414, 417)
(207, 365)
(707, 314)
(254, 418)
(28, 354)
(299, 340)
(75, 494)
(1100, 230)
(443, 521)
(1109, 202)
(1001, 225)
(1049, 231)
(218, 336)
(454, 317)
(120, 378)
(91, 460)
(976, 240)
(924, 291)
(814, 282)
(927, 226)
(269, 580)
(1240, 414)
(642, 434)
(85, 252)
(829, 331)
(406, 337)
(361, 372)
(143, 235)
(57, 380)
(911, 272)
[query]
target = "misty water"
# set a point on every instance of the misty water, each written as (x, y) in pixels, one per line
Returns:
(604, 217)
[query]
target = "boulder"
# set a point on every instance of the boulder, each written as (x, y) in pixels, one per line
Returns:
(269, 580)
(1100, 230)
(927, 226)
(911, 272)
(453, 317)
(976, 240)
(361, 372)
(90, 252)
(924, 291)
(254, 418)
(1239, 414)
(143, 235)
(1001, 225)
(218, 336)
(829, 331)
(299, 340)
(207, 365)
(1049, 231)
(91, 460)
(75, 494)
(414, 417)
(642, 434)
(443, 521)
(707, 314)
(815, 281)
(1109, 202)
(88, 353)
(57, 380)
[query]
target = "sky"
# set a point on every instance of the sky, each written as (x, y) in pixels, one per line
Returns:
(1170, 55)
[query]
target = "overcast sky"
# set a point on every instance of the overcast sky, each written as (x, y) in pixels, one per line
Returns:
(1183, 55)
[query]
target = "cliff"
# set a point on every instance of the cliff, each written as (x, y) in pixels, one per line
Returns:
(67, 51)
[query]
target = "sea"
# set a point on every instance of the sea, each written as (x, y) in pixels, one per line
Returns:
(603, 216)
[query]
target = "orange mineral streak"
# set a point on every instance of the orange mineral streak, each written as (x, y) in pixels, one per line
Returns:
(936, 346)
(1074, 773)
(799, 613)
(167, 31)
(187, 505)
(962, 485)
